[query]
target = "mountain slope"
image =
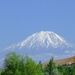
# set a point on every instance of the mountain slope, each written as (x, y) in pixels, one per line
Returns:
(41, 46)
(67, 61)
(43, 39)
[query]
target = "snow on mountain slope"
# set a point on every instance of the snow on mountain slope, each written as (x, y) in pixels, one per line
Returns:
(41, 46)
(43, 39)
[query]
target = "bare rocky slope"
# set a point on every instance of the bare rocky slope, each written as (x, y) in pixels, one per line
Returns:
(61, 61)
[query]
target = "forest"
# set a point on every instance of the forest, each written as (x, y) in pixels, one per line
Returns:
(16, 64)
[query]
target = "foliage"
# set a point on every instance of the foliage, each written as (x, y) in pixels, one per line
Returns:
(56, 72)
(45, 69)
(15, 64)
(61, 69)
(67, 70)
(0, 71)
(46, 73)
(51, 66)
(41, 66)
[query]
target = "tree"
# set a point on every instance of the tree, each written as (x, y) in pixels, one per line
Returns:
(72, 70)
(46, 69)
(61, 69)
(56, 72)
(46, 73)
(0, 71)
(67, 70)
(11, 63)
(51, 66)
(15, 64)
(41, 66)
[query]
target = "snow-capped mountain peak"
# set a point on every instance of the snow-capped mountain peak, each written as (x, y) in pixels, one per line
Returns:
(44, 39)
(41, 45)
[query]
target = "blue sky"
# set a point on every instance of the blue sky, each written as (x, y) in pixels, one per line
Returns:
(21, 18)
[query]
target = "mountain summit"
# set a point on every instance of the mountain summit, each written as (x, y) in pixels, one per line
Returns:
(41, 46)
(43, 39)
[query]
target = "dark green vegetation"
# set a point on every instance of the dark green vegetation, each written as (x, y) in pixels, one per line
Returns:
(51, 69)
(15, 64)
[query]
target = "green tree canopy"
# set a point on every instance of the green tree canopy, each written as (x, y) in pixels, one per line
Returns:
(15, 64)
(51, 66)
(56, 72)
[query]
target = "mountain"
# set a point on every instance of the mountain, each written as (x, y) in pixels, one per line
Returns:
(41, 46)
(67, 61)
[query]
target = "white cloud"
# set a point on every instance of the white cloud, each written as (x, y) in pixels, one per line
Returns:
(73, 52)
(67, 51)
(48, 54)
(45, 57)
